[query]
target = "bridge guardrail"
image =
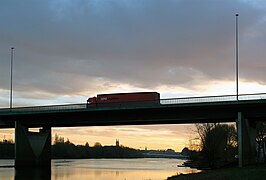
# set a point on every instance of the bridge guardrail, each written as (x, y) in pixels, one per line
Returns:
(44, 108)
(203, 99)
(208, 99)
(185, 100)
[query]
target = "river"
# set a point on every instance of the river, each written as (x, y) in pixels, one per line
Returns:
(99, 169)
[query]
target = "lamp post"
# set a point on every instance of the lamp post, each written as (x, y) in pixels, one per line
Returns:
(237, 73)
(11, 77)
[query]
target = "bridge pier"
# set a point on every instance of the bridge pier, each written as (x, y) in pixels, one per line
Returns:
(32, 149)
(246, 133)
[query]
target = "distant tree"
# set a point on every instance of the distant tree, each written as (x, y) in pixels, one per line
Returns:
(67, 141)
(63, 149)
(58, 139)
(97, 144)
(87, 144)
(185, 151)
(66, 149)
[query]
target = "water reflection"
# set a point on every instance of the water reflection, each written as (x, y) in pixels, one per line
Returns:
(33, 173)
(98, 169)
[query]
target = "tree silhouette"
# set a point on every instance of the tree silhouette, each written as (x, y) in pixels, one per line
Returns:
(218, 142)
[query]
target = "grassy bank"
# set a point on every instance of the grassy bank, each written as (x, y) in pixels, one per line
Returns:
(252, 172)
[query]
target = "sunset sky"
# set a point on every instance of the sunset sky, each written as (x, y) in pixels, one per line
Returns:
(69, 50)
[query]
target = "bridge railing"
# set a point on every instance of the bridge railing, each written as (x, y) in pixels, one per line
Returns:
(185, 100)
(45, 108)
(202, 99)
(209, 99)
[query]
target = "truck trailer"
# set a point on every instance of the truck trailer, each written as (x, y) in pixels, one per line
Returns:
(124, 99)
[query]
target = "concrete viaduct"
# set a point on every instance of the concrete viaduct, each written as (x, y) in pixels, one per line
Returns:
(34, 149)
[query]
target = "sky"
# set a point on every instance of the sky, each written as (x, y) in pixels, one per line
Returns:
(69, 50)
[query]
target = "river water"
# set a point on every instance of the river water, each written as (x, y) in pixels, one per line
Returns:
(99, 169)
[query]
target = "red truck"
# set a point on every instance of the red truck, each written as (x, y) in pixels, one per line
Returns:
(124, 99)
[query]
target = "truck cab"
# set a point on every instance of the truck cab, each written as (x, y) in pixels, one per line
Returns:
(92, 102)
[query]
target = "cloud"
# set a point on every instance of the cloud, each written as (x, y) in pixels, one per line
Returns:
(65, 47)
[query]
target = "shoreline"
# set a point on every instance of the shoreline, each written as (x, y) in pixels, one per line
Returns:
(249, 172)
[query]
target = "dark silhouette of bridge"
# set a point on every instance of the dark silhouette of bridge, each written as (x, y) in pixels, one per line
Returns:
(34, 149)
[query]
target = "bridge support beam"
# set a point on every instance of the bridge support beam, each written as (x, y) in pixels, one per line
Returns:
(32, 149)
(246, 132)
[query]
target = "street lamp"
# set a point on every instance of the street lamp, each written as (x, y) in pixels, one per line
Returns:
(237, 73)
(11, 77)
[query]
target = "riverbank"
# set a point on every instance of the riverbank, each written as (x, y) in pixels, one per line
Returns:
(251, 172)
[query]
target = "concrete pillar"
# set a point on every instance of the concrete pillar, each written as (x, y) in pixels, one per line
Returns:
(246, 132)
(33, 173)
(32, 149)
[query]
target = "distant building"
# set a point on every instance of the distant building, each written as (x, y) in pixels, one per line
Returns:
(117, 143)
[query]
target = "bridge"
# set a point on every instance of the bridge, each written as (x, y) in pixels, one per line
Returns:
(34, 149)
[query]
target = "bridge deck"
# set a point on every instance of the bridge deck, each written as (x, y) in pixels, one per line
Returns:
(168, 111)
(140, 104)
